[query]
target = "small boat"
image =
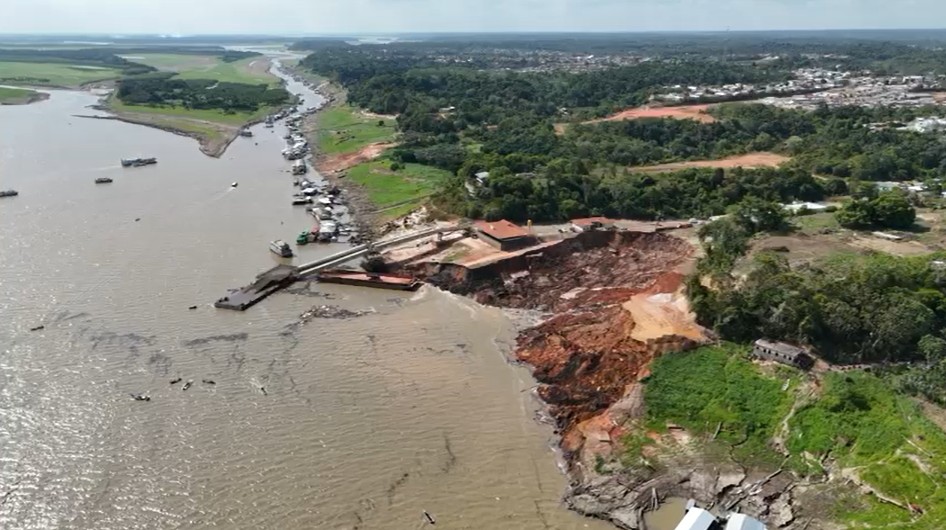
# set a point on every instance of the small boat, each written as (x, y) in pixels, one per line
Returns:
(246, 133)
(310, 191)
(299, 167)
(235, 184)
(9, 193)
(138, 162)
(298, 200)
(103, 180)
(303, 238)
(325, 200)
(281, 248)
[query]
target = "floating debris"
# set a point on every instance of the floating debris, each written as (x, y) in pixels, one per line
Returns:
(37, 328)
(262, 389)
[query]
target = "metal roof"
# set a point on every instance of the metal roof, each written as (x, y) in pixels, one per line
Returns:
(741, 521)
(696, 519)
(501, 229)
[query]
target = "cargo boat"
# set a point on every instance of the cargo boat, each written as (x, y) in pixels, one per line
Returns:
(369, 279)
(281, 248)
(138, 162)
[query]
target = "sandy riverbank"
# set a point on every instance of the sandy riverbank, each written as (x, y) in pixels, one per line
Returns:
(31, 96)
(213, 146)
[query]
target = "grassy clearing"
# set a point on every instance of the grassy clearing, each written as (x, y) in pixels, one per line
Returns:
(52, 74)
(211, 115)
(251, 70)
(865, 425)
(719, 387)
(856, 421)
(816, 222)
(173, 62)
(16, 96)
(385, 187)
(243, 71)
(344, 129)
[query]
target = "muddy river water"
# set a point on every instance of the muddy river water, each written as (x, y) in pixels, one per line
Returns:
(362, 422)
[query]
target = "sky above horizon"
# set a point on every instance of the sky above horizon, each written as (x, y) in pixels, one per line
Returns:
(314, 17)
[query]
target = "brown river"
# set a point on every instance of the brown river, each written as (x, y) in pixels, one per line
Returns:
(362, 422)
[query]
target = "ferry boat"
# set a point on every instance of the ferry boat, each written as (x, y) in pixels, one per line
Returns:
(280, 248)
(103, 180)
(9, 193)
(138, 162)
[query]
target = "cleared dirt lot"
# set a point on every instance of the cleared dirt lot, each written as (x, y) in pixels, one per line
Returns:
(748, 160)
(682, 112)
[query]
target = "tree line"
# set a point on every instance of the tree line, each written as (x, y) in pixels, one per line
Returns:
(161, 89)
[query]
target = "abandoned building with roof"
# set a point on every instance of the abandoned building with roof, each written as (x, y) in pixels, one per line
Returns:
(504, 235)
(783, 353)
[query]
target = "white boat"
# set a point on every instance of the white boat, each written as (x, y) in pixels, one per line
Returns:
(325, 200)
(327, 230)
(309, 191)
(297, 200)
(299, 167)
(280, 248)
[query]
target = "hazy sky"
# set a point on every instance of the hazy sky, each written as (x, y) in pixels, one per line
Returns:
(384, 16)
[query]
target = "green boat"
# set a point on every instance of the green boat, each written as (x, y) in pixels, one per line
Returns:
(303, 238)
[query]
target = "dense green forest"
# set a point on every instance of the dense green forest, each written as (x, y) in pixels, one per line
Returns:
(468, 119)
(160, 89)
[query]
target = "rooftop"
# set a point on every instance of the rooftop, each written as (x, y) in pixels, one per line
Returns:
(501, 229)
(781, 347)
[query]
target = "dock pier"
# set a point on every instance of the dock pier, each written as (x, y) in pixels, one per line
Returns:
(282, 276)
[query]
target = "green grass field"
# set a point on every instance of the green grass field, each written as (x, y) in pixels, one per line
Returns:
(13, 96)
(855, 419)
(385, 187)
(52, 74)
(211, 115)
(343, 129)
(209, 67)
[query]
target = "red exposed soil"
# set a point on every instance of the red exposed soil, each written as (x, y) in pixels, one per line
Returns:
(343, 161)
(585, 357)
(682, 112)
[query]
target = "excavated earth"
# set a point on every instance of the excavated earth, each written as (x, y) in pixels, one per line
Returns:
(589, 355)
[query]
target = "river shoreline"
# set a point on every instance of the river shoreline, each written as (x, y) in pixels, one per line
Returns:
(361, 208)
(588, 354)
(33, 97)
(212, 147)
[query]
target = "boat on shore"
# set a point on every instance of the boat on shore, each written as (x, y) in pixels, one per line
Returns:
(280, 248)
(369, 279)
(9, 193)
(246, 133)
(327, 229)
(299, 167)
(301, 199)
(138, 162)
(103, 180)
